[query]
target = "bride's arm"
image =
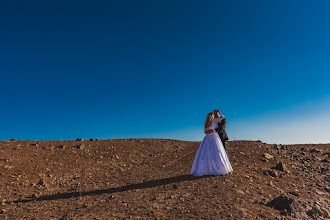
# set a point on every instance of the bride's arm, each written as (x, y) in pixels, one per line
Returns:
(217, 120)
(208, 131)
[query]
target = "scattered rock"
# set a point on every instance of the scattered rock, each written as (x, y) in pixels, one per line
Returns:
(262, 201)
(319, 192)
(315, 150)
(60, 146)
(79, 139)
(7, 167)
(284, 212)
(273, 173)
(175, 186)
(42, 182)
(242, 212)
(294, 193)
(317, 212)
(268, 156)
(281, 167)
(240, 192)
(80, 146)
(326, 160)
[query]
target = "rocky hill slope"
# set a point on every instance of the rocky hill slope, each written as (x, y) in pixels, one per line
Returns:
(149, 178)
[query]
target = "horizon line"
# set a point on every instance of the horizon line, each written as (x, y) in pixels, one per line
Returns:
(110, 139)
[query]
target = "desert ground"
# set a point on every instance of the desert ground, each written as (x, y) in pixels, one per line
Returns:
(149, 179)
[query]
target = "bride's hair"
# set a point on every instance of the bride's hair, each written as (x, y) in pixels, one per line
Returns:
(208, 121)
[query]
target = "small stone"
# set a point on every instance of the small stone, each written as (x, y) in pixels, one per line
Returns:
(42, 182)
(273, 173)
(319, 192)
(315, 150)
(268, 156)
(7, 167)
(281, 167)
(317, 211)
(60, 146)
(81, 146)
(79, 139)
(240, 192)
(294, 193)
(242, 212)
(284, 212)
(175, 186)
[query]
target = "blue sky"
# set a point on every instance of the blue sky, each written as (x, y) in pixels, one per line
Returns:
(121, 69)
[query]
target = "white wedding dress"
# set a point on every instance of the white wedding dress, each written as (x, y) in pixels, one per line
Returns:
(211, 157)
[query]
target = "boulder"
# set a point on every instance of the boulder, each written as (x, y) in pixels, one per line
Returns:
(288, 206)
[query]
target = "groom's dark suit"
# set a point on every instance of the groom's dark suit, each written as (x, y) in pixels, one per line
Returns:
(222, 131)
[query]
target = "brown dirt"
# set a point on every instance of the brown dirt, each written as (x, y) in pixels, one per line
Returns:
(149, 178)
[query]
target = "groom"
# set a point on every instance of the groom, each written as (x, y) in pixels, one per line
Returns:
(221, 130)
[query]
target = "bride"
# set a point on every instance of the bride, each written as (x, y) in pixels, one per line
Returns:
(211, 157)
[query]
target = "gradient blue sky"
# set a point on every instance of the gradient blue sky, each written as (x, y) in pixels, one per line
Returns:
(122, 69)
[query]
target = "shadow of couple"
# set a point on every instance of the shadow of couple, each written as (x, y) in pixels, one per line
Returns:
(148, 184)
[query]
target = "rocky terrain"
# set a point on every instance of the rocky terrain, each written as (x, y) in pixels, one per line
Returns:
(149, 178)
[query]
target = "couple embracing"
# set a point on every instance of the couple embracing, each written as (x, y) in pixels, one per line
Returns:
(211, 157)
